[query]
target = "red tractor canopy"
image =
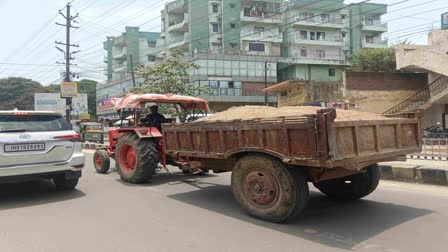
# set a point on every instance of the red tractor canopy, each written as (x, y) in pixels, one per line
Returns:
(138, 101)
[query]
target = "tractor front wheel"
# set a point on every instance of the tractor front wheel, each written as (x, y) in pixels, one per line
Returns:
(101, 161)
(136, 158)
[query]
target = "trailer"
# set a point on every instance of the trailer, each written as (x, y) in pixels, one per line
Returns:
(273, 159)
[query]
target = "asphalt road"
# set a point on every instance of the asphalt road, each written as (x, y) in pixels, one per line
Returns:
(187, 213)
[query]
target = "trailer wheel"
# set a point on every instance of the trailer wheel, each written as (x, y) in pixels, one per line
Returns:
(136, 159)
(101, 161)
(267, 189)
(353, 187)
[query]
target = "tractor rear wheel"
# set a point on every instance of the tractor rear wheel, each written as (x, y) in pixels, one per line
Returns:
(352, 187)
(101, 161)
(269, 190)
(136, 158)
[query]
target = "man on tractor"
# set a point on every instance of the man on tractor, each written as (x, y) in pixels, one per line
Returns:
(155, 118)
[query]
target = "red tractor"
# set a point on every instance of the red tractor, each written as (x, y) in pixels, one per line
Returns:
(138, 145)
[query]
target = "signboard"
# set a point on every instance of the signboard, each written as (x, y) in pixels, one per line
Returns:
(292, 97)
(445, 21)
(53, 102)
(69, 89)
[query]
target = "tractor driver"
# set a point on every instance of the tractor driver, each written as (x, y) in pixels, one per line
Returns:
(155, 118)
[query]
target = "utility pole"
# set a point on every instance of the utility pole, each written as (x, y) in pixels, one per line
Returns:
(68, 56)
(266, 68)
(132, 70)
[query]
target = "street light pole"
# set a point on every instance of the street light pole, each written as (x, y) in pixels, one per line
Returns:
(266, 68)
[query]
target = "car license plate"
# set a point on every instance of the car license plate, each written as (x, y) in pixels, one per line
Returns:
(24, 147)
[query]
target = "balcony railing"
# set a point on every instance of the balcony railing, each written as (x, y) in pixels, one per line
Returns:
(327, 41)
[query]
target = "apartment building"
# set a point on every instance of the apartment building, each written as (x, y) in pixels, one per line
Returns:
(319, 37)
(119, 50)
(242, 45)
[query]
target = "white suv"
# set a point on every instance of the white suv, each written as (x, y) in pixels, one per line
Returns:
(39, 145)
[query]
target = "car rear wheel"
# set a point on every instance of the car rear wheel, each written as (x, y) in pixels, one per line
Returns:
(65, 184)
(352, 187)
(101, 161)
(136, 158)
(267, 189)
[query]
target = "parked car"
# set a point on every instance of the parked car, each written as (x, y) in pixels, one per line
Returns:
(39, 145)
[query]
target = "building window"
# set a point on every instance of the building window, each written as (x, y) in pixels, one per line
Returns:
(151, 58)
(331, 72)
(370, 39)
(215, 27)
(320, 54)
(151, 44)
(215, 8)
(320, 36)
(303, 52)
(232, 25)
(247, 11)
(256, 47)
(303, 35)
(369, 21)
(259, 30)
(312, 35)
(325, 17)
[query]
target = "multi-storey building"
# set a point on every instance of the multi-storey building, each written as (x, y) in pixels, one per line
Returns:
(319, 37)
(242, 45)
(131, 43)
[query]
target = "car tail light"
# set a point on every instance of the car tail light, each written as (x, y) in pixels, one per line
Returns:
(21, 113)
(74, 138)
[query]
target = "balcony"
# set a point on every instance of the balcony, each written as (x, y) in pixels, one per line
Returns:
(266, 18)
(181, 26)
(335, 23)
(121, 55)
(315, 60)
(262, 36)
(375, 26)
(120, 69)
(106, 58)
(119, 42)
(376, 43)
(182, 41)
(324, 42)
(176, 6)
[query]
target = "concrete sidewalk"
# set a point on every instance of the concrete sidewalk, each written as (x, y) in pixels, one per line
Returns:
(417, 171)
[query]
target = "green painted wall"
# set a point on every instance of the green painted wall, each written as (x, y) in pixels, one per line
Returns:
(356, 13)
(133, 46)
(311, 72)
(198, 27)
(231, 10)
(108, 47)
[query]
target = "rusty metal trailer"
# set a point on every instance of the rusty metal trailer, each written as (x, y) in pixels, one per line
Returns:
(273, 159)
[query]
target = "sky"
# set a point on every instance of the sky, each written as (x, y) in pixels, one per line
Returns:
(28, 31)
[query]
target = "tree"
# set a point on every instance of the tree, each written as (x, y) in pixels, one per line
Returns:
(169, 77)
(16, 92)
(374, 60)
(84, 86)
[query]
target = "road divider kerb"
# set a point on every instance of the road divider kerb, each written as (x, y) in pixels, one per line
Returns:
(414, 174)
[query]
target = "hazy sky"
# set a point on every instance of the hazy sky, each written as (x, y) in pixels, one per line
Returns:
(29, 51)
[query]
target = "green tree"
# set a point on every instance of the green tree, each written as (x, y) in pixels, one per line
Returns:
(169, 77)
(374, 60)
(16, 92)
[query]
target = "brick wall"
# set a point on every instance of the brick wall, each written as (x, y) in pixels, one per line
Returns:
(254, 88)
(384, 81)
